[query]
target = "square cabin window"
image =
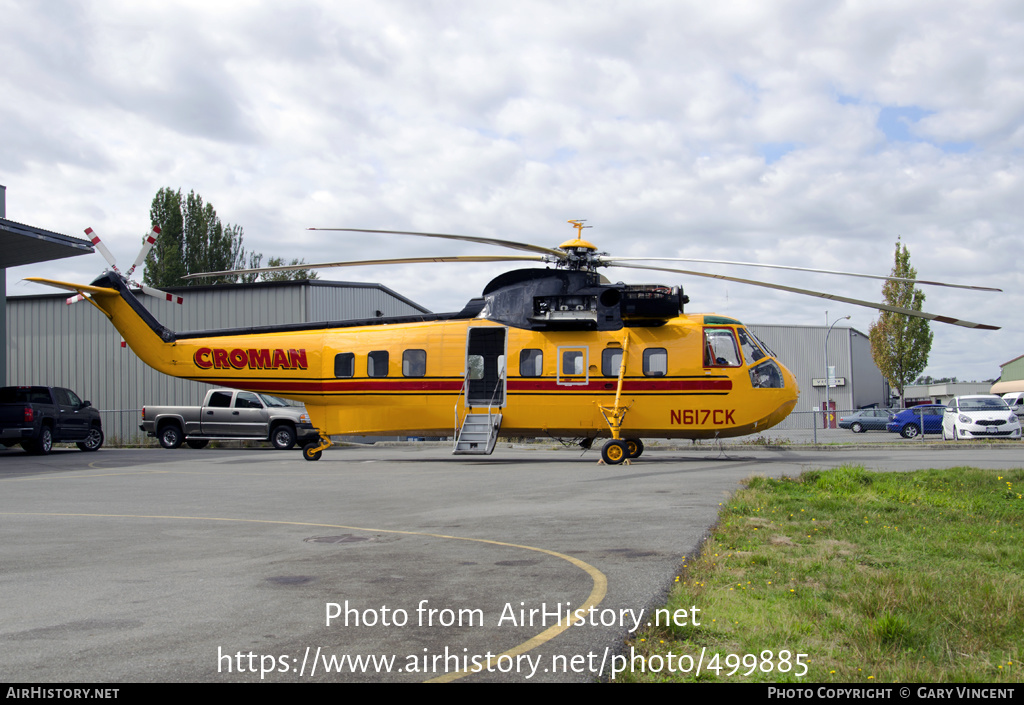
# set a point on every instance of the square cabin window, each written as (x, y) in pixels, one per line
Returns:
(414, 363)
(345, 365)
(655, 362)
(611, 360)
(572, 362)
(377, 364)
(531, 363)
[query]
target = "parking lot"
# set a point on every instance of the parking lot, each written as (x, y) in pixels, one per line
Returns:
(395, 563)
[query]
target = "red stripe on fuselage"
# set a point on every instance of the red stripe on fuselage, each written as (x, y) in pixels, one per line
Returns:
(409, 386)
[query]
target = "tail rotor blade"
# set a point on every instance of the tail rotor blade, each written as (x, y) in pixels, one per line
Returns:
(75, 299)
(172, 298)
(98, 244)
(146, 247)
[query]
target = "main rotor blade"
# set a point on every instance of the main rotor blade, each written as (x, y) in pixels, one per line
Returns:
(612, 260)
(820, 295)
(466, 238)
(369, 262)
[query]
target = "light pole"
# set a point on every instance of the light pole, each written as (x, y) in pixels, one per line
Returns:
(828, 398)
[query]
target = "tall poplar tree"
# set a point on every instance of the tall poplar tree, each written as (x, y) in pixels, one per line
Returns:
(900, 344)
(192, 240)
(165, 265)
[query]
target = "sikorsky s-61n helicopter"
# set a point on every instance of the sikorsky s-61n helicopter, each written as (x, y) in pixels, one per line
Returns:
(557, 351)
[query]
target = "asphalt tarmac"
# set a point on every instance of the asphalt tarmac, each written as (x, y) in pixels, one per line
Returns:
(379, 564)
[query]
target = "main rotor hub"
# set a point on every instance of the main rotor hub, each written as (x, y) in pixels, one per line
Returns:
(582, 255)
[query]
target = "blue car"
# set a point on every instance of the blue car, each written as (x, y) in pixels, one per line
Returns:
(907, 423)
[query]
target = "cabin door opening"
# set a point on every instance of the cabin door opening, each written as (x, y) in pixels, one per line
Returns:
(485, 366)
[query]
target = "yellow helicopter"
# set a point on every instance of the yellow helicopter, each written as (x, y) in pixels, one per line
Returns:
(557, 351)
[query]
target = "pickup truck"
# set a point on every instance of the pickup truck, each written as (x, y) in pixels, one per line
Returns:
(38, 417)
(230, 415)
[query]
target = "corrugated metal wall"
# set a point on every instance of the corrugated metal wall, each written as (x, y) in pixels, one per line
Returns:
(358, 302)
(51, 343)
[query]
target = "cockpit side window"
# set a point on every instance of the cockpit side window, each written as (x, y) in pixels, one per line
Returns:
(751, 352)
(720, 348)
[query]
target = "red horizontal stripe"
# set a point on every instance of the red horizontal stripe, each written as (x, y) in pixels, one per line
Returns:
(455, 385)
(667, 385)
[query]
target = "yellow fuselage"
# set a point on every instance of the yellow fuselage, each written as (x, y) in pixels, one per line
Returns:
(687, 397)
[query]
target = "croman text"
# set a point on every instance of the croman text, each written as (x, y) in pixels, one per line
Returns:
(261, 359)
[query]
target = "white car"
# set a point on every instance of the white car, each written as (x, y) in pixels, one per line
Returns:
(979, 416)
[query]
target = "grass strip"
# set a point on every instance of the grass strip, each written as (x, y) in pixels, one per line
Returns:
(873, 577)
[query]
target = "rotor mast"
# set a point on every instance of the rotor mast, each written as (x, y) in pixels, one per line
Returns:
(581, 255)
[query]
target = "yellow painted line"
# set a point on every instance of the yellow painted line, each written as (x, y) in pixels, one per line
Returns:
(597, 593)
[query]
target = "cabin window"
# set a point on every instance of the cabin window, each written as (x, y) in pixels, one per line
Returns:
(720, 348)
(611, 361)
(247, 400)
(345, 365)
(414, 363)
(221, 400)
(572, 362)
(377, 364)
(531, 363)
(655, 362)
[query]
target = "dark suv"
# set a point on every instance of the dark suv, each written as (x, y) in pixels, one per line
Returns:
(38, 417)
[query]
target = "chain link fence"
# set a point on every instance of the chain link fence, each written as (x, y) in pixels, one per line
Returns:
(121, 428)
(820, 427)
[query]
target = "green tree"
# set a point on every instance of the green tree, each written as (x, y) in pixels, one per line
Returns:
(165, 265)
(192, 239)
(900, 344)
(294, 274)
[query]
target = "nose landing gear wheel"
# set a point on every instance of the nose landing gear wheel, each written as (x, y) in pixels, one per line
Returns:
(614, 452)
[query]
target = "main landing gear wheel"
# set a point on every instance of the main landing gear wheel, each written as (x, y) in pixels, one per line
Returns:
(614, 452)
(635, 447)
(310, 452)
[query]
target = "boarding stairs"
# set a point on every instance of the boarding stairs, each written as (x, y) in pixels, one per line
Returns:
(478, 431)
(478, 434)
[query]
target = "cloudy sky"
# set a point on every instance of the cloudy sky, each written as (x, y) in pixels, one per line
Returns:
(803, 132)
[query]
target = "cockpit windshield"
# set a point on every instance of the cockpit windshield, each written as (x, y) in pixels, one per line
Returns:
(720, 348)
(751, 351)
